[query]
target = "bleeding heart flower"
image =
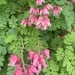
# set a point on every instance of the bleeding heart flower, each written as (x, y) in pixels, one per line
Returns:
(46, 53)
(30, 72)
(49, 7)
(19, 67)
(44, 11)
(30, 55)
(34, 70)
(34, 10)
(32, 19)
(42, 61)
(14, 60)
(57, 10)
(39, 2)
(35, 59)
(43, 23)
(18, 72)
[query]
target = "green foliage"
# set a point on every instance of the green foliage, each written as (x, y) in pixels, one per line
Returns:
(10, 70)
(69, 38)
(2, 2)
(59, 38)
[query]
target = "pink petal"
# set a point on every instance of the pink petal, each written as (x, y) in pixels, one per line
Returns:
(24, 22)
(45, 11)
(31, 9)
(39, 67)
(19, 67)
(49, 7)
(33, 68)
(30, 55)
(46, 53)
(18, 72)
(35, 59)
(30, 72)
(57, 10)
(73, 1)
(42, 61)
(39, 2)
(13, 60)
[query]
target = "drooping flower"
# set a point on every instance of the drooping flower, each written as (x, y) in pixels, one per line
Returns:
(44, 11)
(18, 72)
(39, 2)
(42, 61)
(30, 71)
(57, 10)
(24, 22)
(43, 23)
(18, 66)
(30, 55)
(46, 53)
(35, 59)
(34, 70)
(14, 60)
(49, 7)
(32, 19)
(34, 10)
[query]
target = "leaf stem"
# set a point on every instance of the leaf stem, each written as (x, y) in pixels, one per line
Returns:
(22, 55)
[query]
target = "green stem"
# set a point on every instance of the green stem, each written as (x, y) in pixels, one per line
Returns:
(38, 47)
(22, 51)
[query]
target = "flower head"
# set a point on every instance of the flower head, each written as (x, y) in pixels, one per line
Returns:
(43, 23)
(57, 10)
(39, 2)
(26, 22)
(44, 11)
(34, 10)
(49, 7)
(32, 19)
(14, 60)
(18, 72)
(46, 53)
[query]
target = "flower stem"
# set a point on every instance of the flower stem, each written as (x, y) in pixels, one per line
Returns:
(22, 51)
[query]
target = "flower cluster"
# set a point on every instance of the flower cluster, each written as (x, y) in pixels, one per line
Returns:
(16, 61)
(35, 66)
(39, 17)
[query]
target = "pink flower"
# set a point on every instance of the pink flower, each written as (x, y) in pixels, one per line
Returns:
(32, 19)
(19, 67)
(26, 71)
(14, 60)
(73, 1)
(42, 61)
(34, 10)
(46, 53)
(34, 70)
(49, 7)
(30, 72)
(30, 55)
(24, 22)
(44, 11)
(43, 23)
(39, 67)
(18, 72)
(39, 2)
(57, 10)
(35, 59)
